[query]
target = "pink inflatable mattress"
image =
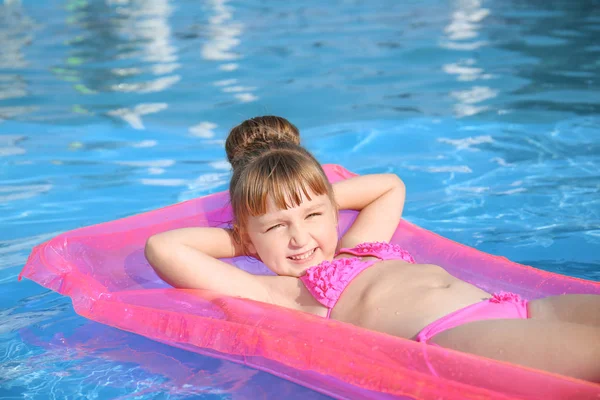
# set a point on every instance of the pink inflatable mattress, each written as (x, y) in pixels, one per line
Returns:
(103, 269)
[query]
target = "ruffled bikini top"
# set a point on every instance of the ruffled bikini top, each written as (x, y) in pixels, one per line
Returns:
(327, 280)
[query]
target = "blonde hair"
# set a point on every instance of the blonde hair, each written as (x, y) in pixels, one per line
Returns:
(267, 160)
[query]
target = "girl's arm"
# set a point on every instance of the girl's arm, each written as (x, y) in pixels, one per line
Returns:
(380, 200)
(188, 258)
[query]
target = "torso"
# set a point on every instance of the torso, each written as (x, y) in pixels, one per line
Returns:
(399, 298)
(390, 296)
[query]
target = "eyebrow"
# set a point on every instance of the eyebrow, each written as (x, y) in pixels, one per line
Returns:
(315, 207)
(307, 211)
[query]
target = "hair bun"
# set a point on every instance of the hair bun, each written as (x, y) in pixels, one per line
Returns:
(258, 134)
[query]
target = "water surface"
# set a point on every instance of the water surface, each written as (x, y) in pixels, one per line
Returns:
(488, 110)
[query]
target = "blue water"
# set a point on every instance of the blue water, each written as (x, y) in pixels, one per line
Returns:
(114, 107)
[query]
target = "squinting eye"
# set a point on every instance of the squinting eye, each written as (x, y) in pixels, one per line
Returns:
(313, 215)
(273, 227)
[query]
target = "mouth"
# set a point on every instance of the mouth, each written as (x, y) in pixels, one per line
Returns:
(303, 257)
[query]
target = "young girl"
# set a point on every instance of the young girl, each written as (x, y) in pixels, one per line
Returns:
(285, 214)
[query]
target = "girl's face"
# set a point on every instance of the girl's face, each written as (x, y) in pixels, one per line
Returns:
(290, 241)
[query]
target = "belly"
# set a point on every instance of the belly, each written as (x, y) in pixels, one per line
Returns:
(401, 299)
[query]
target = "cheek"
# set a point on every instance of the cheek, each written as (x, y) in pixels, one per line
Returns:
(329, 232)
(269, 246)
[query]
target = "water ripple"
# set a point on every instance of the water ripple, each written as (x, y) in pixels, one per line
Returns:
(9, 193)
(127, 104)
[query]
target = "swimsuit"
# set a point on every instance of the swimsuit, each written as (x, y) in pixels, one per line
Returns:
(502, 305)
(327, 280)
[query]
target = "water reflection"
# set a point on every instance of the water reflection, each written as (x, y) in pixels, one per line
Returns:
(120, 46)
(10, 193)
(133, 116)
(466, 70)
(462, 34)
(466, 20)
(9, 145)
(147, 23)
(16, 32)
(224, 35)
(66, 357)
(562, 38)
(203, 130)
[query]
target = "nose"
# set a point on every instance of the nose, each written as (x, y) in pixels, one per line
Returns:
(299, 236)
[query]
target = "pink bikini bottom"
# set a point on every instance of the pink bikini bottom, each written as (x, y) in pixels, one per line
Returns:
(502, 305)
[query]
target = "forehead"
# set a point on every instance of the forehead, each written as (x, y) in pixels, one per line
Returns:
(312, 200)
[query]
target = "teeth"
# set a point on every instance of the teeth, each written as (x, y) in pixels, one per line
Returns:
(303, 257)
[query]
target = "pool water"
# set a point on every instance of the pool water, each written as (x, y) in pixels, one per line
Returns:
(488, 110)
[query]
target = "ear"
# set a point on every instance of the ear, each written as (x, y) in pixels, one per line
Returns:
(336, 216)
(250, 247)
(335, 208)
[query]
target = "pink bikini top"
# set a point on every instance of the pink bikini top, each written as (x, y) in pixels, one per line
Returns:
(327, 280)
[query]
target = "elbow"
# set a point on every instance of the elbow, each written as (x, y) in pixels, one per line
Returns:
(397, 183)
(401, 186)
(150, 247)
(398, 190)
(151, 251)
